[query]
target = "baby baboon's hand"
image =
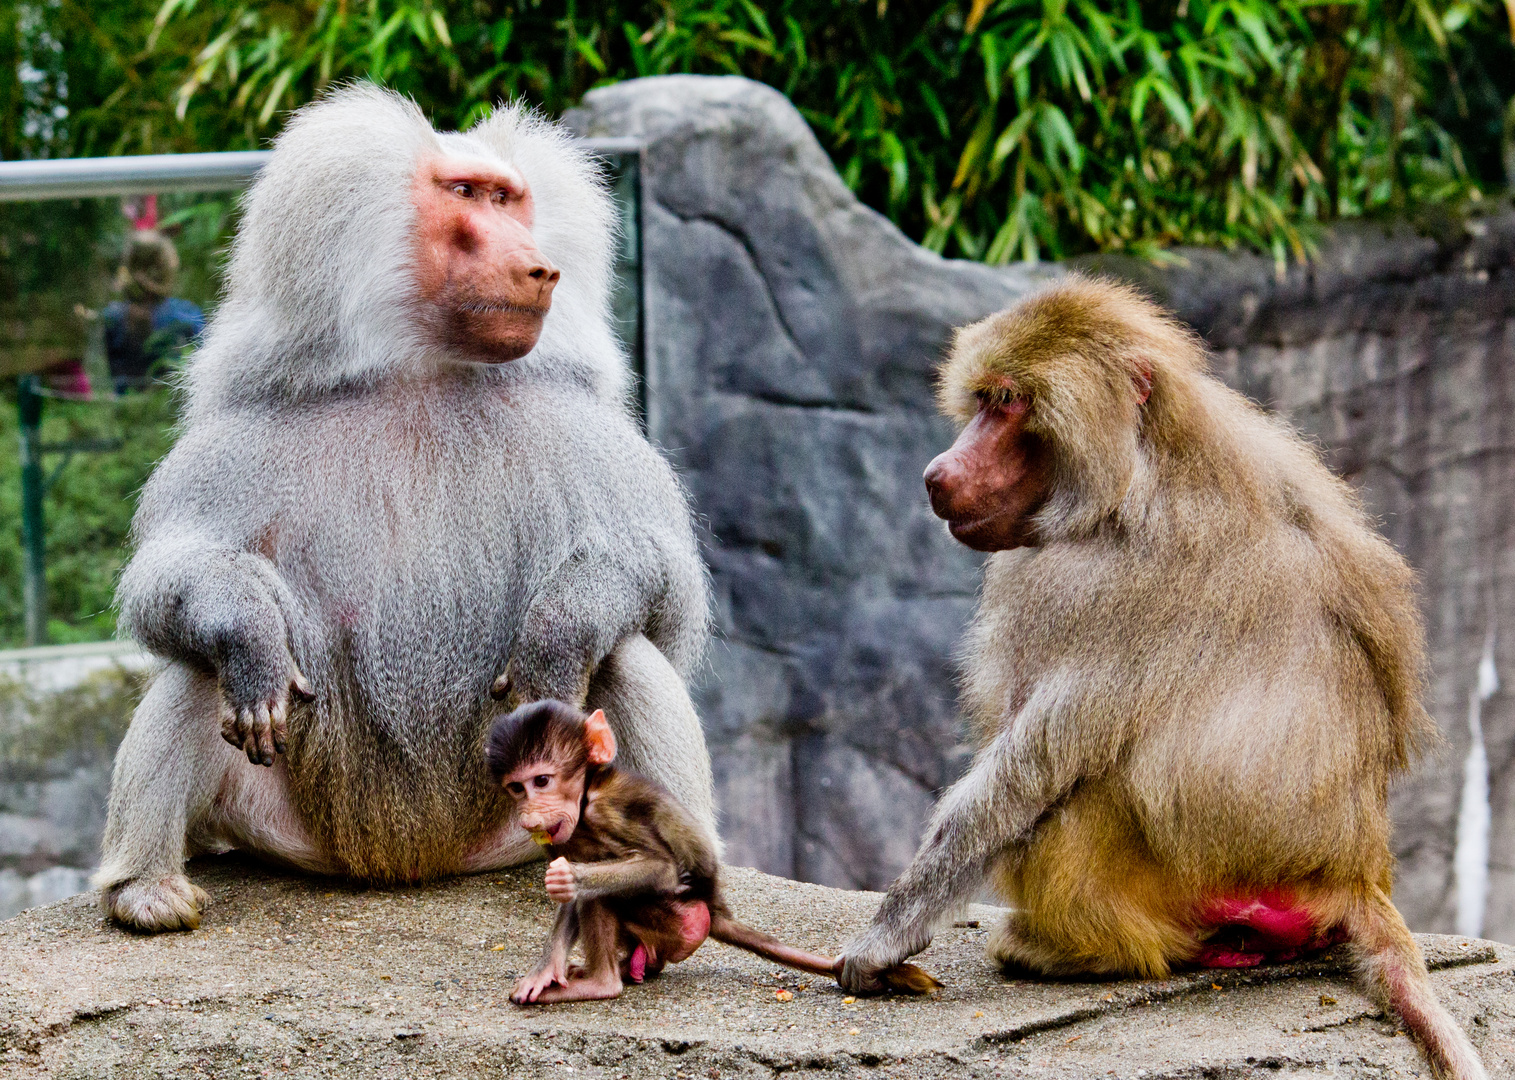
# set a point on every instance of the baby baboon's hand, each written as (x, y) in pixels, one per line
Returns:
(255, 707)
(562, 883)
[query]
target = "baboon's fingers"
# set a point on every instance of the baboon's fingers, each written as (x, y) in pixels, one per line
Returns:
(247, 727)
(229, 728)
(909, 979)
(278, 719)
(234, 727)
(263, 737)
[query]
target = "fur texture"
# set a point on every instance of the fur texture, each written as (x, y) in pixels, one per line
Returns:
(350, 501)
(1194, 688)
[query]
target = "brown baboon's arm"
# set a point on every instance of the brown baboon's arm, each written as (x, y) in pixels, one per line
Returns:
(635, 875)
(994, 807)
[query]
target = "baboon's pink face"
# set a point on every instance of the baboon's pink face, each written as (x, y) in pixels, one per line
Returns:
(993, 479)
(483, 284)
(547, 795)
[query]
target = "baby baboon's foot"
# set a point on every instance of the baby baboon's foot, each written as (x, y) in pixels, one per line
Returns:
(150, 907)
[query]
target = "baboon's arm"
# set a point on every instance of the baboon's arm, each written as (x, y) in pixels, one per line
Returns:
(190, 596)
(635, 875)
(206, 604)
(991, 809)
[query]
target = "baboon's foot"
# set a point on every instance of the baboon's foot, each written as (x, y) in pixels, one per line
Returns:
(151, 907)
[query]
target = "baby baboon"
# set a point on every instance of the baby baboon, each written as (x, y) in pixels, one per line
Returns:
(635, 875)
(409, 464)
(1193, 671)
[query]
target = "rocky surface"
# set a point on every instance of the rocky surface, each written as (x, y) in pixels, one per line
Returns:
(58, 737)
(298, 977)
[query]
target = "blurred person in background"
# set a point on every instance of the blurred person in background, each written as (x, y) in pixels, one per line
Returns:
(150, 327)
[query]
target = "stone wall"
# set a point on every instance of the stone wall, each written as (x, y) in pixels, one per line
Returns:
(791, 336)
(63, 711)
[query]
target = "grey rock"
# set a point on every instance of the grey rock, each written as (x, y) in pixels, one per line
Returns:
(56, 883)
(14, 894)
(290, 976)
(791, 338)
(48, 886)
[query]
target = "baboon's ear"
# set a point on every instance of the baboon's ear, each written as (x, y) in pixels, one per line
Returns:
(599, 740)
(1142, 382)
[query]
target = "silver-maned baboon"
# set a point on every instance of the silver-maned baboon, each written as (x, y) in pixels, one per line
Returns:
(1193, 671)
(408, 467)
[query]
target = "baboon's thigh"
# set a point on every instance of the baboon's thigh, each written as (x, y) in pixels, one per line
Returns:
(657, 731)
(1089, 897)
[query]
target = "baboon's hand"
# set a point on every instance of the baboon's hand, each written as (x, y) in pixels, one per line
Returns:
(873, 951)
(530, 677)
(255, 707)
(562, 883)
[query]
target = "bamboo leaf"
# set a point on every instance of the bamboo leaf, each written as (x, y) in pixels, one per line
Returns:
(275, 92)
(1175, 105)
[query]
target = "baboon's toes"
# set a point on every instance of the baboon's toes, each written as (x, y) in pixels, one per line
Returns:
(150, 907)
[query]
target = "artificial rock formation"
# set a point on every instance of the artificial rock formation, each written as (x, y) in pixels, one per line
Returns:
(791, 335)
(290, 976)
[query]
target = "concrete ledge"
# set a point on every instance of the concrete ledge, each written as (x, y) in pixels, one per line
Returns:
(290, 976)
(49, 668)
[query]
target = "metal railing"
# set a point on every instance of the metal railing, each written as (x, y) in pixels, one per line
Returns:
(89, 178)
(147, 174)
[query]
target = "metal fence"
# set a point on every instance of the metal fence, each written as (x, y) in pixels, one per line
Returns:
(89, 178)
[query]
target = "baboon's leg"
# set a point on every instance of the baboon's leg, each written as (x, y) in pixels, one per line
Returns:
(179, 789)
(657, 732)
(509, 845)
(600, 977)
(1090, 899)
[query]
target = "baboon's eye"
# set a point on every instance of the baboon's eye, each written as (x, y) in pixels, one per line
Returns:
(502, 196)
(541, 781)
(516, 789)
(463, 191)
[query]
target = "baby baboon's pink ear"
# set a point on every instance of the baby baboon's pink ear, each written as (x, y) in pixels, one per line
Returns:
(599, 740)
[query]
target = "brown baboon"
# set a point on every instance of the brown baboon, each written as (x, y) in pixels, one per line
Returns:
(636, 877)
(409, 464)
(1194, 669)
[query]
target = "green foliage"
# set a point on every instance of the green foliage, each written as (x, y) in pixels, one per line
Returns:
(991, 129)
(88, 509)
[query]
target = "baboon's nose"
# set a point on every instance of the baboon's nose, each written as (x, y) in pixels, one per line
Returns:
(940, 479)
